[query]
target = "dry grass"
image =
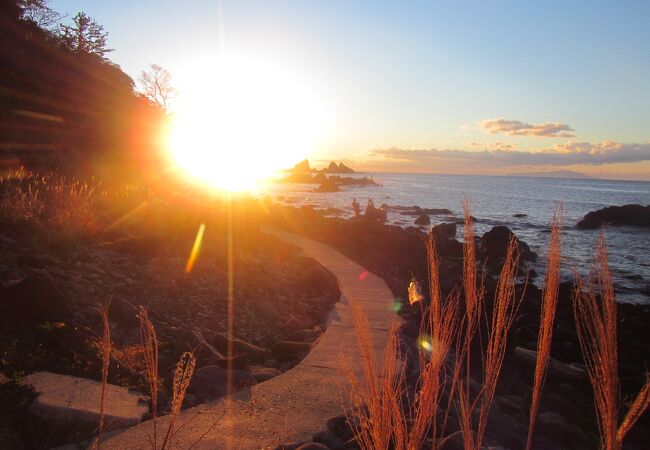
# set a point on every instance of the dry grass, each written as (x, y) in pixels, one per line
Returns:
(595, 315)
(376, 418)
(506, 304)
(105, 346)
(51, 200)
(379, 419)
(149, 341)
(547, 317)
(182, 377)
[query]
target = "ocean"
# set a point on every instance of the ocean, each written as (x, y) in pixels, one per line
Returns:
(495, 201)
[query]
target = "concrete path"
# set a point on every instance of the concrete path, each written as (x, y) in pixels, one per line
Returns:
(295, 405)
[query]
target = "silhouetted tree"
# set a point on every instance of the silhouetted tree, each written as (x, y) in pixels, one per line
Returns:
(157, 86)
(39, 12)
(85, 35)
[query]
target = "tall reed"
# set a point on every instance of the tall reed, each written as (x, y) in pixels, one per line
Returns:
(547, 317)
(105, 348)
(504, 311)
(595, 316)
(375, 418)
(149, 342)
(182, 376)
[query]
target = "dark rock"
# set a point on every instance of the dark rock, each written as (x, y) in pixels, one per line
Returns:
(146, 246)
(291, 446)
(239, 346)
(520, 215)
(303, 336)
(36, 298)
(269, 312)
(494, 245)
(237, 362)
(302, 167)
(210, 382)
(261, 374)
(313, 446)
(328, 440)
(340, 427)
(557, 371)
(123, 312)
(561, 429)
(319, 281)
(291, 325)
(288, 350)
(327, 186)
(444, 231)
(423, 219)
(635, 215)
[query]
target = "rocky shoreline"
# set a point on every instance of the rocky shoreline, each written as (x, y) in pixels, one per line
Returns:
(50, 322)
(567, 416)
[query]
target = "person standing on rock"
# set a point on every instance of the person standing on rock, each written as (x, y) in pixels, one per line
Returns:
(356, 207)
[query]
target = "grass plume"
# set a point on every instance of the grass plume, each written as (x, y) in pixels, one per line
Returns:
(105, 348)
(149, 342)
(547, 317)
(375, 417)
(182, 376)
(595, 316)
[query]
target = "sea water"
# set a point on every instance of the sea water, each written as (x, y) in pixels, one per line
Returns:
(495, 201)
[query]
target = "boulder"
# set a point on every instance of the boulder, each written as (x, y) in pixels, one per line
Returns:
(634, 215)
(313, 446)
(423, 219)
(557, 371)
(561, 429)
(261, 373)
(494, 245)
(303, 336)
(210, 382)
(444, 231)
(36, 298)
(66, 400)
(327, 186)
(268, 311)
(288, 350)
(319, 281)
(239, 346)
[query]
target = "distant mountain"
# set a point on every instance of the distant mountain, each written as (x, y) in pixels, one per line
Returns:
(553, 174)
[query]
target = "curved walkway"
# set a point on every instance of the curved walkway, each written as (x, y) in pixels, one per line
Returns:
(295, 405)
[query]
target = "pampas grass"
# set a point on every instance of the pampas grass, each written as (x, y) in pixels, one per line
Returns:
(105, 347)
(547, 317)
(375, 418)
(182, 377)
(595, 316)
(149, 342)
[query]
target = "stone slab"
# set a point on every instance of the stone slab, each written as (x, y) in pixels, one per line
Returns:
(65, 400)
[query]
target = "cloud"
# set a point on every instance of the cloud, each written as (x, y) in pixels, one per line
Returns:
(498, 145)
(584, 153)
(519, 128)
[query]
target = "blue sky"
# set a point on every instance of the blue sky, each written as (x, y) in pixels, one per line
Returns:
(435, 75)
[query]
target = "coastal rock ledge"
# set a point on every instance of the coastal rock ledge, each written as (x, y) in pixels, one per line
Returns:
(635, 215)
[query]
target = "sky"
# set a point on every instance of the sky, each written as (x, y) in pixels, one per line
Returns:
(484, 87)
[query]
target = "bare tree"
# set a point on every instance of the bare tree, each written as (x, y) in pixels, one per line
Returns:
(157, 85)
(85, 35)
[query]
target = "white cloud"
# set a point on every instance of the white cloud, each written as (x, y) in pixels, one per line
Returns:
(560, 155)
(519, 128)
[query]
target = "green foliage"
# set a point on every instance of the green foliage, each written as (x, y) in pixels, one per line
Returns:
(85, 35)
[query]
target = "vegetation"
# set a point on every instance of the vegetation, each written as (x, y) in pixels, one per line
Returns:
(595, 312)
(385, 415)
(63, 103)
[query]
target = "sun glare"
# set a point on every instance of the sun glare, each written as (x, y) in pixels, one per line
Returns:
(237, 122)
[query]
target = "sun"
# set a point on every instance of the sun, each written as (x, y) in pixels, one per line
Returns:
(238, 121)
